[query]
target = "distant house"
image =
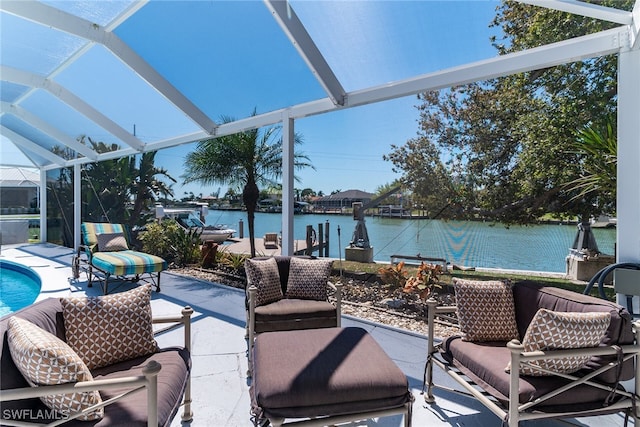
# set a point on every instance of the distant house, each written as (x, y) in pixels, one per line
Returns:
(339, 201)
(19, 188)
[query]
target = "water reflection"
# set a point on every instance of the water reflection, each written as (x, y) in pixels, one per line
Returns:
(465, 243)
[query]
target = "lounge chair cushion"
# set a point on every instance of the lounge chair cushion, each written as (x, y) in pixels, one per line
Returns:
(308, 278)
(44, 359)
(324, 372)
(484, 363)
(486, 310)
(290, 313)
(264, 275)
(123, 263)
(112, 328)
(171, 385)
(110, 242)
(551, 330)
(530, 296)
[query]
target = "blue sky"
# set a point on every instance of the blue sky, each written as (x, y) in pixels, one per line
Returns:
(346, 147)
(231, 57)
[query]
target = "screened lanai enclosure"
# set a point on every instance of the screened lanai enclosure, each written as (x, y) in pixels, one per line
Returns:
(152, 75)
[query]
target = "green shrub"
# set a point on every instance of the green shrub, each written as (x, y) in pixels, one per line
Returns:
(171, 242)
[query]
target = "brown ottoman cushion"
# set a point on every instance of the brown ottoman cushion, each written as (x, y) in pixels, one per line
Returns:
(323, 372)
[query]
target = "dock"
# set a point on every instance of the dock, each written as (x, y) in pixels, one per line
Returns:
(242, 246)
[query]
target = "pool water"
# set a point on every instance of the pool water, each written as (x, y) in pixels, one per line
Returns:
(19, 287)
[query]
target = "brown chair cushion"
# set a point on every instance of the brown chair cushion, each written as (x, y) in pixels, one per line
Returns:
(484, 363)
(172, 379)
(530, 296)
(111, 328)
(308, 278)
(485, 310)
(324, 372)
(288, 314)
(264, 275)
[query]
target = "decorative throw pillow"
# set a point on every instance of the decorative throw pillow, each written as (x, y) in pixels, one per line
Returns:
(264, 275)
(486, 311)
(552, 330)
(308, 278)
(111, 242)
(44, 359)
(112, 328)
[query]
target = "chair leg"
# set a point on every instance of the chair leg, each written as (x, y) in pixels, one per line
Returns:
(90, 276)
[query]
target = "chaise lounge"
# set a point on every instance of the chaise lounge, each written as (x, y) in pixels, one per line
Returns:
(536, 352)
(106, 250)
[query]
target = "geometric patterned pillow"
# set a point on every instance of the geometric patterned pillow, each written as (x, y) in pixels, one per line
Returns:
(112, 328)
(486, 311)
(552, 330)
(112, 242)
(264, 275)
(308, 278)
(44, 359)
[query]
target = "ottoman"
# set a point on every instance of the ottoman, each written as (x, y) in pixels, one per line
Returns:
(328, 376)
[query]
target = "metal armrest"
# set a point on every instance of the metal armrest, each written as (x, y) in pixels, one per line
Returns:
(185, 320)
(337, 288)
(148, 380)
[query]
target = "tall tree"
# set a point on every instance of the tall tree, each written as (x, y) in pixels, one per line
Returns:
(242, 160)
(501, 148)
(119, 190)
(147, 188)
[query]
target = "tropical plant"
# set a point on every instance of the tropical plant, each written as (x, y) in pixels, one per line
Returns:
(168, 240)
(233, 261)
(121, 190)
(244, 160)
(426, 279)
(597, 147)
(394, 275)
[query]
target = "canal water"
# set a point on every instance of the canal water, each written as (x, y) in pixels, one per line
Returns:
(464, 243)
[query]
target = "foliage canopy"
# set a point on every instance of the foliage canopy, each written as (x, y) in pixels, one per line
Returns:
(504, 149)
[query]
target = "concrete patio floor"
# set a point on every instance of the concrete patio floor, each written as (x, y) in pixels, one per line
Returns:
(220, 386)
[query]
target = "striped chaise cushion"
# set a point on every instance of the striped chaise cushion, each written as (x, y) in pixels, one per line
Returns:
(128, 262)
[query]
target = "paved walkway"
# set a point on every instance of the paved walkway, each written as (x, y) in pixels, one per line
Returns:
(220, 386)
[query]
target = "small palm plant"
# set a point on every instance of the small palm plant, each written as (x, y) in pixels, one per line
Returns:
(598, 147)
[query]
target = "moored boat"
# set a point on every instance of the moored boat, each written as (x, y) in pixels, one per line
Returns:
(189, 220)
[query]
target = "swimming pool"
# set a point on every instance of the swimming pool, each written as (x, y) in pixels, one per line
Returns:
(19, 286)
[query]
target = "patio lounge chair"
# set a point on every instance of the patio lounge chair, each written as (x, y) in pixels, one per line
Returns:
(106, 250)
(569, 359)
(104, 370)
(270, 240)
(282, 298)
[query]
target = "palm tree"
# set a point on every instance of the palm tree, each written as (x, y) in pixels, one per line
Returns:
(147, 187)
(598, 147)
(243, 160)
